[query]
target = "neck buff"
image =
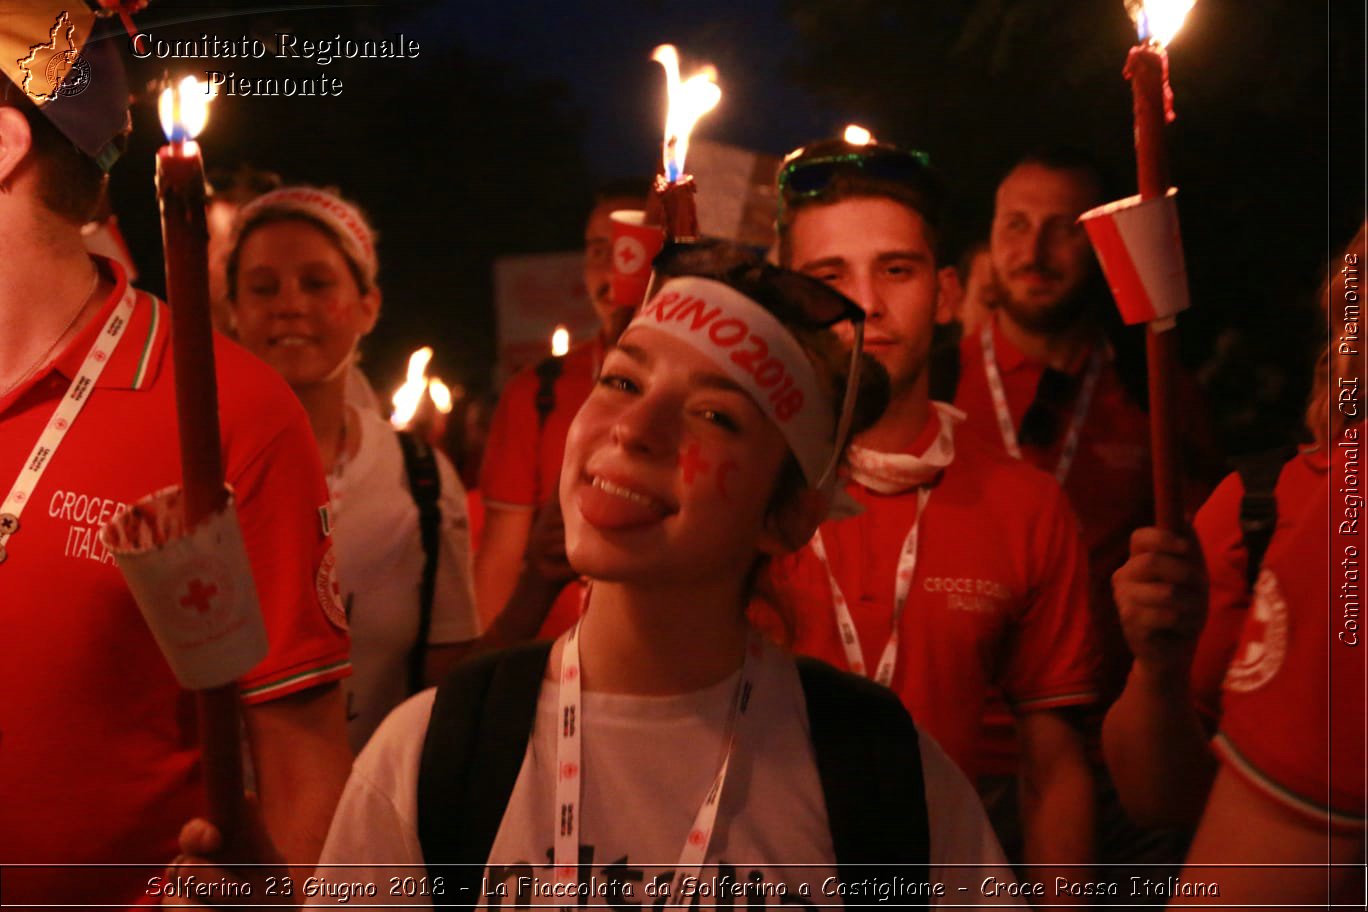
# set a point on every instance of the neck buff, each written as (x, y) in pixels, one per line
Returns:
(894, 473)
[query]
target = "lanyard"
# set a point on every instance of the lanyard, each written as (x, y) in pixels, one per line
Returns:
(570, 768)
(907, 567)
(1004, 414)
(77, 394)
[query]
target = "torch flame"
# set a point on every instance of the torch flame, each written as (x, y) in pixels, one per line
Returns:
(687, 101)
(441, 395)
(408, 397)
(857, 135)
(184, 109)
(560, 342)
(1159, 20)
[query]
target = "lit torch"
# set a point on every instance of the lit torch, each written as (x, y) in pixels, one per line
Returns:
(560, 342)
(417, 391)
(1156, 23)
(857, 135)
(687, 101)
(184, 111)
(1138, 244)
(409, 395)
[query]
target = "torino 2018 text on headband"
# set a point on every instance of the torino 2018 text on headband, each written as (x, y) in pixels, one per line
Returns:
(754, 349)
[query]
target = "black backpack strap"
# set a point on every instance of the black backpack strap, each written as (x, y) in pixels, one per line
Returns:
(1259, 506)
(869, 762)
(477, 737)
(420, 464)
(945, 365)
(548, 372)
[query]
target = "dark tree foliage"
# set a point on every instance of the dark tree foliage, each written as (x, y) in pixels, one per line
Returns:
(1267, 149)
(457, 160)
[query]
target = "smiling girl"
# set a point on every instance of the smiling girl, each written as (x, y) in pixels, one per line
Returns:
(663, 750)
(302, 284)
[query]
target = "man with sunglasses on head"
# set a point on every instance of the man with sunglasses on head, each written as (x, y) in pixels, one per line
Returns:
(964, 572)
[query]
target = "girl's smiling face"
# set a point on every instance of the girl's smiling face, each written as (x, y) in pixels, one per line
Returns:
(297, 303)
(669, 469)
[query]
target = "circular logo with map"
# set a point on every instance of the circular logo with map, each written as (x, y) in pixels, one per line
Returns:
(329, 591)
(77, 79)
(1264, 644)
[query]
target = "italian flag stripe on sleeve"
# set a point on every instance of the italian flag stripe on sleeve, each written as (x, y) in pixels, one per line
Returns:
(302, 680)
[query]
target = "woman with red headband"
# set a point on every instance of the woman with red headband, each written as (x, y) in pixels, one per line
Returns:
(302, 281)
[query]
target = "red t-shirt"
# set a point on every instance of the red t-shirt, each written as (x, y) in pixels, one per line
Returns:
(998, 597)
(523, 455)
(99, 757)
(1281, 668)
(1109, 482)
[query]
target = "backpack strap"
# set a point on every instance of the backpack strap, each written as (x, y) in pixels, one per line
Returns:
(425, 485)
(869, 762)
(548, 372)
(1259, 507)
(476, 740)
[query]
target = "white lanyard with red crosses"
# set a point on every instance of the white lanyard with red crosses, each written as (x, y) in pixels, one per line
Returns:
(1004, 414)
(77, 394)
(570, 769)
(902, 588)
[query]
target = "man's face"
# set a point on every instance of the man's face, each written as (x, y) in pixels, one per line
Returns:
(877, 253)
(1040, 253)
(598, 254)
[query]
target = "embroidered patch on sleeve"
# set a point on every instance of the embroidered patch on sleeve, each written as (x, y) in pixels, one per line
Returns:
(329, 591)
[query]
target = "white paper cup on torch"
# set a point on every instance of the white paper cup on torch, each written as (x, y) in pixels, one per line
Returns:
(193, 586)
(1141, 251)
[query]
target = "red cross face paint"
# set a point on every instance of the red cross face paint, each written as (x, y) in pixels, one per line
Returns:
(669, 467)
(692, 463)
(697, 470)
(752, 349)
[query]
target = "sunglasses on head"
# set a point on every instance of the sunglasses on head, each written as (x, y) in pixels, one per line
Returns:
(806, 175)
(794, 299)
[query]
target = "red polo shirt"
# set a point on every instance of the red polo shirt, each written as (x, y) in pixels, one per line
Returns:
(998, 597)
(523, 455)
(1109, 483)
(99, 760)
(1280, 667)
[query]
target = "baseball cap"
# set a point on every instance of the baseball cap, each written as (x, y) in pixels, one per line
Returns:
(68, 63)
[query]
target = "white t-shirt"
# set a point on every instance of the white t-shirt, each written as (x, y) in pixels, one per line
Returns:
(379, 568)
(648, 762)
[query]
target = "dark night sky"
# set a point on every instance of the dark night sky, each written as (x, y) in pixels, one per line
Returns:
(602, 51)
(490, 143)
(441, 191)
